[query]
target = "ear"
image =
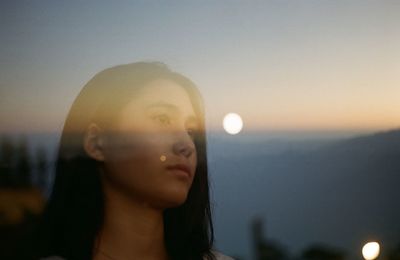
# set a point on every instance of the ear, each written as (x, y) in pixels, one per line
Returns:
(93, 142)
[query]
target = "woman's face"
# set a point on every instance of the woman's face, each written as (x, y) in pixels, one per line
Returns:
(150, 154)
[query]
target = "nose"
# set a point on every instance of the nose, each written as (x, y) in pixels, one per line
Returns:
(183, 145)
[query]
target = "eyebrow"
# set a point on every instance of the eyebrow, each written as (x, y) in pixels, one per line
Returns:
(163, 104)
(172, 107)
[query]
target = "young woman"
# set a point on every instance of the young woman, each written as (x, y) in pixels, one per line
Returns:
(131, 175)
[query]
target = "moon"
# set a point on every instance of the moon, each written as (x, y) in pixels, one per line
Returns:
(232, 123)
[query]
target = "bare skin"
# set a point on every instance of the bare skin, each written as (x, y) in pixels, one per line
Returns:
(132, 230)
(152, 134)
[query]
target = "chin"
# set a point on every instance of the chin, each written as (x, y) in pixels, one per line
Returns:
(174, 198)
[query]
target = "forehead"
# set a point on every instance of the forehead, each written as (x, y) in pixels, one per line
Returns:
(165, 92)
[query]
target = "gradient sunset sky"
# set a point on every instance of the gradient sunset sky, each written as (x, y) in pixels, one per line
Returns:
(281, 65)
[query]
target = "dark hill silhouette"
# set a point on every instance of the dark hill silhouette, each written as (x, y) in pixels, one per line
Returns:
(381, 140)
(339, 193)
(383, 145)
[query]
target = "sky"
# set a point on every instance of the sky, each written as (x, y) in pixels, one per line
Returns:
(281, 65)
(303, 66)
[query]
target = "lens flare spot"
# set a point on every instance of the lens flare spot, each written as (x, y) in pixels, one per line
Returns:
(232, 123)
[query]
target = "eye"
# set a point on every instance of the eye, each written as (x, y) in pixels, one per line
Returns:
(163, 119)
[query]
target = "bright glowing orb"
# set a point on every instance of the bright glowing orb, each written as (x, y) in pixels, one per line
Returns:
(370, 250)
(232, 123)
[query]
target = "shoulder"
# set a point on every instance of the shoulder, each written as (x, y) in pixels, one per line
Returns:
(220, 256)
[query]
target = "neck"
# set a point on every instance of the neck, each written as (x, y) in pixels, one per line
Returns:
(131, 229)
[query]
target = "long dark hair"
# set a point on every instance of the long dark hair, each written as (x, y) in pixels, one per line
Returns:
(74, 213)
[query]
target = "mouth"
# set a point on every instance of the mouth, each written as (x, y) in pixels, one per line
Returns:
(181, 170)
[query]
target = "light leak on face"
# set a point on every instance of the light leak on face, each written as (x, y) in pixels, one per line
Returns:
(151, 148)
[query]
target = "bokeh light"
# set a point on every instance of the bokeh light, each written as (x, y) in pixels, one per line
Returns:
(370, 250)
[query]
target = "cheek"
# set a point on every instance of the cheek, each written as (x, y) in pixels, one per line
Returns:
(134, 154)
(135, 166)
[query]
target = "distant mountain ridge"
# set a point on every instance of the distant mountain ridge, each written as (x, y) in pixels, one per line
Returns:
(340, 193)
(381, 140)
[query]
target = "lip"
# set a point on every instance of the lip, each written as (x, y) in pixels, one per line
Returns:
(181, 169)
